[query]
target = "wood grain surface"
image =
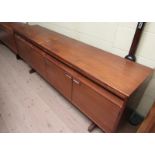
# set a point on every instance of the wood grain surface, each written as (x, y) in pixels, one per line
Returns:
(118, 75)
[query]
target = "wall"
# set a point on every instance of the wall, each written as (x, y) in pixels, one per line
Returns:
(115, 38)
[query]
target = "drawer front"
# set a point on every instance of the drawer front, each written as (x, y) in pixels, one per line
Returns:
(58, 77)
(97, 107)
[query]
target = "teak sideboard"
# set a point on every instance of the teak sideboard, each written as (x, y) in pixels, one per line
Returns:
(98, 83)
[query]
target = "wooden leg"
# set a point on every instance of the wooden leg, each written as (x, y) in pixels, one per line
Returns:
(18, 57)
(1, 42)
(32, 71)
(92, 127)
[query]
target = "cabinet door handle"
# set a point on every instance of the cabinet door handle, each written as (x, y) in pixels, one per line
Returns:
(68, 76)
(75, 81)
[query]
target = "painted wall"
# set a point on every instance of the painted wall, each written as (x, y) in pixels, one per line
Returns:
(115, 38)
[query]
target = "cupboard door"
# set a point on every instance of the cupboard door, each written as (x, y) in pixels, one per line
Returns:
(23, 48)
(58, 77)
(8, 39)
(3, 36)
(96, 106)
(32, 55)
(37, 60)
(11, 43)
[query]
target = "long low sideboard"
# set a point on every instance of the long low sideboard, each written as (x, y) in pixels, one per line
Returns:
(98, 83)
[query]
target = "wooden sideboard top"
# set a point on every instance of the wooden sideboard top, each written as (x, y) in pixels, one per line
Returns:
(118, 75)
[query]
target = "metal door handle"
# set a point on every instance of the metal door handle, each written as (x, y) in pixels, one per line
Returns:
(68, 76)
(75, 81)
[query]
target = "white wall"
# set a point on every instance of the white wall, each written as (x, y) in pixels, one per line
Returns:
(115, 38)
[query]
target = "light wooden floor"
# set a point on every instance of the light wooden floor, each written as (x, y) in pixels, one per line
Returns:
(30, 104)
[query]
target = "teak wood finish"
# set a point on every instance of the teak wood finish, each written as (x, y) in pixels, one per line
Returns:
(7, 36)
(59, 77)
(106, 69)
(32, 55)
(96, 82)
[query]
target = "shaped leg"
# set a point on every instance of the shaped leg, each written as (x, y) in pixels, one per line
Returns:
(18, 57)
(92, 127)
(32, 71)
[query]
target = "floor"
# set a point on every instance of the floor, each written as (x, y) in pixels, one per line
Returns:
(29, 104)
